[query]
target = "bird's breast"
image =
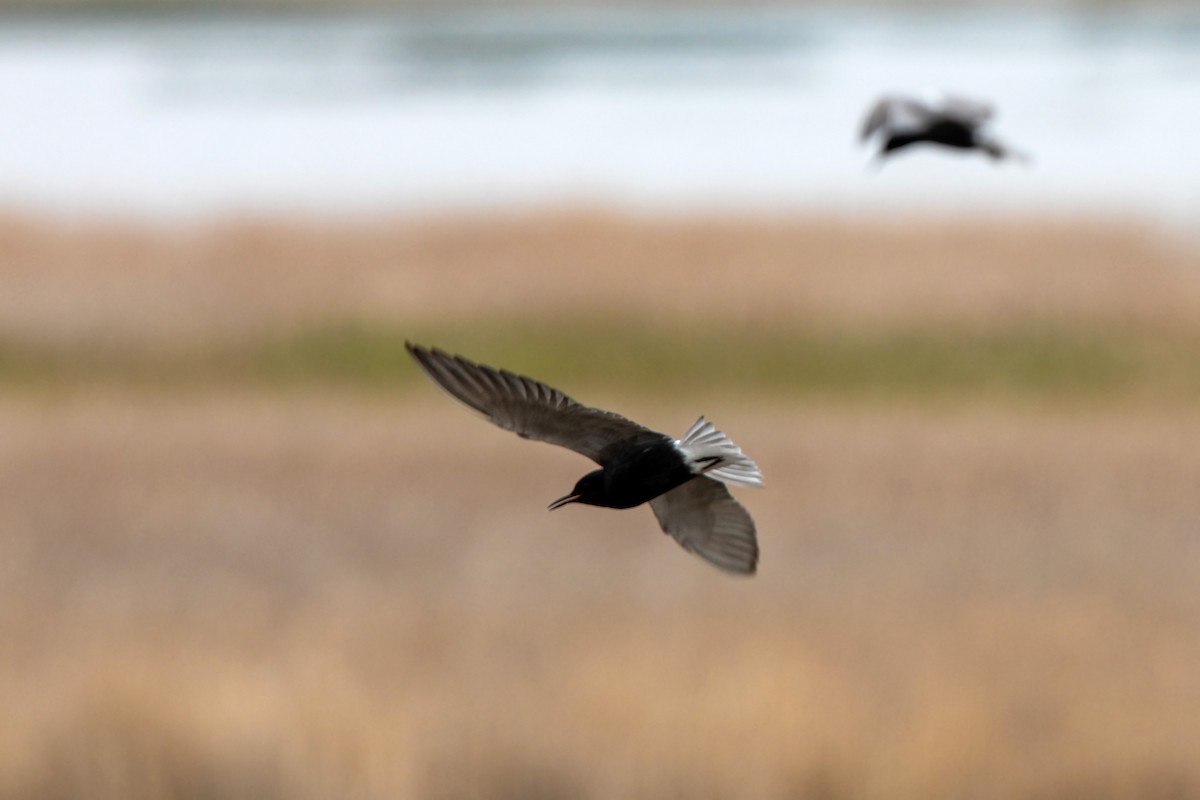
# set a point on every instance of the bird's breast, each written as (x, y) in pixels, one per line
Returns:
(644, 470)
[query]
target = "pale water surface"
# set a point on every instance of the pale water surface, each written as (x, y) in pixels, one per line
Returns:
(346, 113)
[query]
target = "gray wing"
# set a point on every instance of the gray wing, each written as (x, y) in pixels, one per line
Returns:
(703, 517)
(894, 113)
(526, 407)
(966, 110)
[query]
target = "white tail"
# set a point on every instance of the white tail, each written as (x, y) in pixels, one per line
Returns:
(712, 453)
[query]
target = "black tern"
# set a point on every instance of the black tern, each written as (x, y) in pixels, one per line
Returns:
(955, 122)
(684, 480)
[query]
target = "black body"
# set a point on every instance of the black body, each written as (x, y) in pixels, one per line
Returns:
(634, 471)
(947, 133)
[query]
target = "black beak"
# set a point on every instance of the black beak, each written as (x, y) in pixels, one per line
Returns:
(562, 501)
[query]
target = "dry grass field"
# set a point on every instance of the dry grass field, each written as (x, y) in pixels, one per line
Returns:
(216, 584)
(124, 282)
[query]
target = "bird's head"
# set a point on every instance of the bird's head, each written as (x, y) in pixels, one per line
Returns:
(588, 490)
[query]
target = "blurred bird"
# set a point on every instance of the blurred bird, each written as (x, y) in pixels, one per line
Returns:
(950, 122)
(683, 480)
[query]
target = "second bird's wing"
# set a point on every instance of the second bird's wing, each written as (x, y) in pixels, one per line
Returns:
(894, 113)
(703, 517)
(966, 110)
(526, 407)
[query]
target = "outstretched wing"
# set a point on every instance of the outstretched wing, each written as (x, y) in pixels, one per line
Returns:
(703, 517)
(894, 113)
(966, 110)
(526, 407)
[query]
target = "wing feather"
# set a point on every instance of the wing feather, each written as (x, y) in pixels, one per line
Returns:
(526, 407)
(894, 113)
(705, 519)
(966, 110)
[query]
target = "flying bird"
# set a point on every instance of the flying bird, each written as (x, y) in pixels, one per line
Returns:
(684, 481)
(951, 121)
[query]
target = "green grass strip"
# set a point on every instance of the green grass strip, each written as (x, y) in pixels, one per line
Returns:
(1034, 362)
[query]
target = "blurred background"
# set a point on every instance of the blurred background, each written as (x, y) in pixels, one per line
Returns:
(247, 551)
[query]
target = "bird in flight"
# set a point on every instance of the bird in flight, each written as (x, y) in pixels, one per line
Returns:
(951, 121)
(684, 481)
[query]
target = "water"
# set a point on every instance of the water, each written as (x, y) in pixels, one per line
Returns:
(345, 113)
